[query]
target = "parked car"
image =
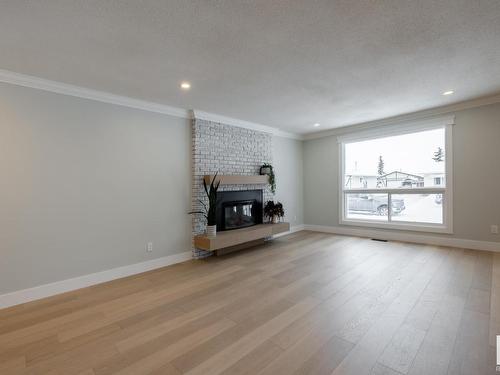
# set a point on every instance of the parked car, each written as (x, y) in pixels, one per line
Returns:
(375, 204)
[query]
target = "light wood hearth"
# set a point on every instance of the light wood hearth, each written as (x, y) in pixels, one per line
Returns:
(235, 237)
(236, 179)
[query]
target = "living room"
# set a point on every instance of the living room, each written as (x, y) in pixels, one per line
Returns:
(249, 187)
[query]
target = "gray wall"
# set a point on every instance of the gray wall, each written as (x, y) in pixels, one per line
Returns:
(287, 162)
(85, 185)
(476, 150)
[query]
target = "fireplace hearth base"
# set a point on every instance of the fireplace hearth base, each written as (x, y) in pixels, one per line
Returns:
(236, 237)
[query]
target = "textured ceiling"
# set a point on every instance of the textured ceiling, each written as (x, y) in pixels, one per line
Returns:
(286, 64)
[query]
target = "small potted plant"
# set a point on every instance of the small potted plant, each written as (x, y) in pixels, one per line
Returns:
(274, 211)
(267, 169)
(210, 211)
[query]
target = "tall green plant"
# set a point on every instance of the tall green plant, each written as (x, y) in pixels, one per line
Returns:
(209, 211)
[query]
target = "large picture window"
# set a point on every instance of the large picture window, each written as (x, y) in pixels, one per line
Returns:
(398, 178)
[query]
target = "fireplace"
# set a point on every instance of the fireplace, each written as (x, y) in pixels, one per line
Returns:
(238, 209)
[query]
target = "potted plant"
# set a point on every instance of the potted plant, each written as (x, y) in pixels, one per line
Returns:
(210, 211)
(274, 211)
(267, 169)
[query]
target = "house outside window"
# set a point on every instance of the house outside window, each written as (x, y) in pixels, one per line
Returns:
(398, 177)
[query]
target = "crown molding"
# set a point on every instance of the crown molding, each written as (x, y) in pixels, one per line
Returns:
(397, 129)
(201, 115)
(85, 93)
(423, 115)
(284, 134)
(25, 80)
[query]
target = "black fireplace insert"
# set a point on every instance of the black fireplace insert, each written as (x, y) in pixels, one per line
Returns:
(238, 209)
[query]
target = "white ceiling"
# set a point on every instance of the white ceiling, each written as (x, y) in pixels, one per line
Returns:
(286, 64)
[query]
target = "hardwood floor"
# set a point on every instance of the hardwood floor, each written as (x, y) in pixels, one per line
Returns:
(308, 303)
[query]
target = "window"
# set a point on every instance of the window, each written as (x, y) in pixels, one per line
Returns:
(398, 177)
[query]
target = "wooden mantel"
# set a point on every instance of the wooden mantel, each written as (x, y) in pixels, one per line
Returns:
(236, 179)
(235, 237)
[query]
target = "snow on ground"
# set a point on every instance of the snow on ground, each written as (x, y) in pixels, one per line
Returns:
(419, 208)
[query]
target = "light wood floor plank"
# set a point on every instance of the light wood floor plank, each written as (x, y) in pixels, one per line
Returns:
(307, 303)
(203, 352)
(435, 353)
(164, 356)
(232, 354)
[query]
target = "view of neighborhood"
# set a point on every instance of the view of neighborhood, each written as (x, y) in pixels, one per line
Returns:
(400, 162)
(421, 208)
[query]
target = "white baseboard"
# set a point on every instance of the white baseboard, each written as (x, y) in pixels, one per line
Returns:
(58, 287)
(293, 229)
(407, 237)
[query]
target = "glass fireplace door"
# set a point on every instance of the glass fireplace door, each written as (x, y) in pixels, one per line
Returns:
(239, 214)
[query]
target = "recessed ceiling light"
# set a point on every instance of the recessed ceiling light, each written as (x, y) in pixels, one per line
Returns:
(316, 125)
(449, 92)
(185, 85)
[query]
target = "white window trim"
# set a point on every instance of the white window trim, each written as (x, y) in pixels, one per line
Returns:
(447, 123)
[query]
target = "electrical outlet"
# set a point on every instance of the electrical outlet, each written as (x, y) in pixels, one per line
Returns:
(494, 229)
(149, 248)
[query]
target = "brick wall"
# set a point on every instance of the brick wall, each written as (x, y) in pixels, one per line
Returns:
(225, 149)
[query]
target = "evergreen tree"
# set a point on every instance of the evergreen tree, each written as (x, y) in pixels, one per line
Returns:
(438, 155)
(380, 166)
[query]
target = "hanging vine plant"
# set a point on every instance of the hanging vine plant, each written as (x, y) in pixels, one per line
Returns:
(267, 169)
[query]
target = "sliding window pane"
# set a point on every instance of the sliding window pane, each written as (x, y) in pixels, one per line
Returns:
(406, 161)
(418, 208)
(367, 207)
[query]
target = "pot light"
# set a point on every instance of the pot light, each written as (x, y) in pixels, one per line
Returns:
(449, 92)
(316, 125)
(185, 85)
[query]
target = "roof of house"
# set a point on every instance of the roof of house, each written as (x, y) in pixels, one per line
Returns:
(403, 173)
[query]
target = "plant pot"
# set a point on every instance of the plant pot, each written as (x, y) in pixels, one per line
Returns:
(275, 219)
(265, 170)
(211, 230)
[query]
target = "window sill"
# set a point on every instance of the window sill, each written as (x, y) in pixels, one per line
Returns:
(415, 227)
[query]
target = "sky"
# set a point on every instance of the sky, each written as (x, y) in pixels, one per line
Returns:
(410, 153)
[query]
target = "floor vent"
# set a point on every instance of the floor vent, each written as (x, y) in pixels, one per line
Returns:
(378, 239)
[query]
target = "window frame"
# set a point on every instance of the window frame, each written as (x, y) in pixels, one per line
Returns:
(445, 123)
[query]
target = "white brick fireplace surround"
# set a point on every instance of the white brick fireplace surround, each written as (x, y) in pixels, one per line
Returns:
(225, 149)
